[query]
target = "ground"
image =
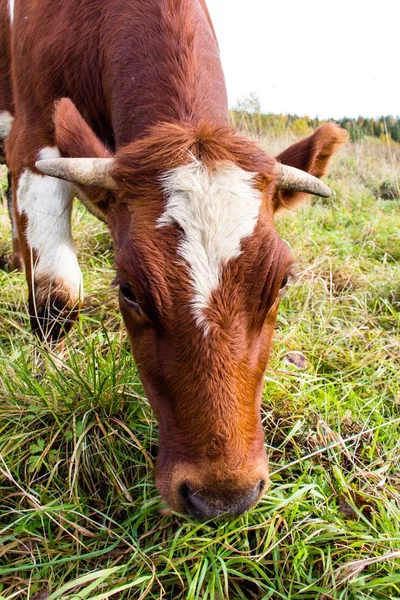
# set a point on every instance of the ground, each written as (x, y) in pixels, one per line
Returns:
(79, 513)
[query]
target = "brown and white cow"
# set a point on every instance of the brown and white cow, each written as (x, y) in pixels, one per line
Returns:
(124, 102)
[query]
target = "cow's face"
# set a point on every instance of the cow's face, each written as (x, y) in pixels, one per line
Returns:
(201, 271)
(200, 275)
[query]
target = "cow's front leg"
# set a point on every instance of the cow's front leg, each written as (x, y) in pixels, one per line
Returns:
(16, 262)
(43, 211)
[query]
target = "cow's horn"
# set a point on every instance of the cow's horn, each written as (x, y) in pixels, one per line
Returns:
(82, 171)
(292, 179)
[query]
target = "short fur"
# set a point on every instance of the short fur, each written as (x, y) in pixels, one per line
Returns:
(141, 80)
(215, 211)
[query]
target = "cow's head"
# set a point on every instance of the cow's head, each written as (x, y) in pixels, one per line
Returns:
(201, 270)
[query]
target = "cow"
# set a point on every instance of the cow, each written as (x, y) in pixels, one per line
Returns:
(124, 103)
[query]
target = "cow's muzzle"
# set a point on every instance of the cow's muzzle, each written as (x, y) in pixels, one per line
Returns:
(202, 505)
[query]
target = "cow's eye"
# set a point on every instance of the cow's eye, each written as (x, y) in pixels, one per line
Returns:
(285, 281)
(129, 296)
(288, 279)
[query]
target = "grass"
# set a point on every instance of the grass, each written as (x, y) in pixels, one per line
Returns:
(79, 513)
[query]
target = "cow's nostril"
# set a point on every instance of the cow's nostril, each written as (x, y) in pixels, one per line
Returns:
(202, 505)
(190, 507)
(184, 492)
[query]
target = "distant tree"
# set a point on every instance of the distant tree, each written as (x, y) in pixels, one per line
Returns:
(250, 104)
(370, 127)
(378, 127)
(248, 116)
(395, 132)
(300, 127)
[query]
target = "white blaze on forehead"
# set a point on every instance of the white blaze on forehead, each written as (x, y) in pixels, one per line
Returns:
(6, 120)
(11, 9)
(47, 202)
(216, 211)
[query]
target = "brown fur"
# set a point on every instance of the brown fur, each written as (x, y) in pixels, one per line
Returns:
(141, 80)
(73, 136)
(6, 99)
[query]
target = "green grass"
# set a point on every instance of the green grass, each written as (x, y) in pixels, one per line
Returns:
(79, 513)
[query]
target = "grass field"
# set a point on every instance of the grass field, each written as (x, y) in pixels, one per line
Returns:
(79, 513)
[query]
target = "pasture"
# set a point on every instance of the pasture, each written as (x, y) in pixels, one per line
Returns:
(80, 517)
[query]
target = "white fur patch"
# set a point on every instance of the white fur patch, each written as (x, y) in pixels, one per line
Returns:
(6, 120)
(47, 203)
(11, 9)
(216, 210)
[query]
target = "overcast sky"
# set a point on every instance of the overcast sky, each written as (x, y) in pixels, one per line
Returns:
(312, 57)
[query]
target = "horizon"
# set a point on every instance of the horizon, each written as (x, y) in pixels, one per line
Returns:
(306, 116)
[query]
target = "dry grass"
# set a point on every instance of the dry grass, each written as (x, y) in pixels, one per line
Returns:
(79, 513)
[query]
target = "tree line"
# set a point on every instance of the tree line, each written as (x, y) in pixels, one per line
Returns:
(248, 115)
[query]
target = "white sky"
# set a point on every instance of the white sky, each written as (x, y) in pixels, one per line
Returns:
(312, 57)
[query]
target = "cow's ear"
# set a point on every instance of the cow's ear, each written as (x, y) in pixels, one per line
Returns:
(74, 137)
(85, 160)
(311, 155)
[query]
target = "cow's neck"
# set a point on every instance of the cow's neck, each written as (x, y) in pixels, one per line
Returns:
(164, 66)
